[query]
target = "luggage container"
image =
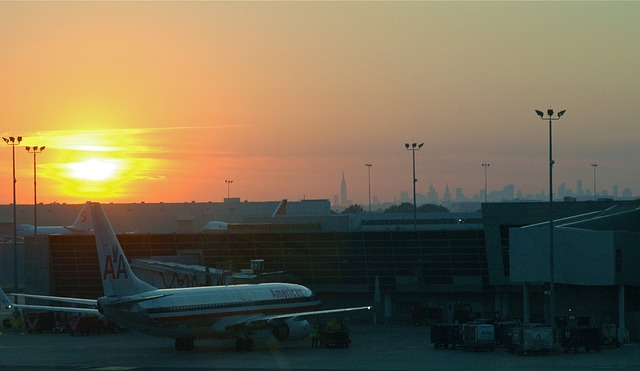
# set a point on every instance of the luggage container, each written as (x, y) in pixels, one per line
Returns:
(532, 338)
(478, 336)
(610, 335)
(40, 321)
(333, 334)
(334, 339)
(504, 332)
(439, 336)
(592, 336)
(85, 325)
(445, 335)
(587, 337)
(455, 335)
(570, 339)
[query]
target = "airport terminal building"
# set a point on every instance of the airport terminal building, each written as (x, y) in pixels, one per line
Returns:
(438, 266)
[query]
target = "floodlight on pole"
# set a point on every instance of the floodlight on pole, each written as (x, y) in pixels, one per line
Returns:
(228, 187)
(485, 166)
(369, 165)
(595, 190)
(13, 142)
(35, 150)
(552, 303)
(413, 147)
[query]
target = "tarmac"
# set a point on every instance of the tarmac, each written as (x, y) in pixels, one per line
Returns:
(374, 347)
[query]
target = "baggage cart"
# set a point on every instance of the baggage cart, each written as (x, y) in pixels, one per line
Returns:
(610, 335)
(439, 336)
(334, 339)
(532, 338)
(592, 336)
(445, 335)
(570, 339)
(504, 332)
(479, 336)
(587, 337)
(85, 325)
(333, 334)
(40, 321)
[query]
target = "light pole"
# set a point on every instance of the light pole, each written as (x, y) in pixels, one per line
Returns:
(368, 165)
(413, 147)
(552, 302)
(35, 150)
(228, 187)
(485, 166)
(13, 142)
(595, 192)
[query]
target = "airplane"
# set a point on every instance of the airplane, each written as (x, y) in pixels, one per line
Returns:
(82, 225)
(188, 314)
(216, 225)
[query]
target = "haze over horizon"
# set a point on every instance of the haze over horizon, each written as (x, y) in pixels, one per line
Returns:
(164, 101)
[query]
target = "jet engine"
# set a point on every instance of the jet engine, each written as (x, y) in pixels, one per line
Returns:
(291, 329)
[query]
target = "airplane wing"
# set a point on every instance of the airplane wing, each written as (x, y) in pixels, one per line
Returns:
(48, 308)
(272, 320)
(88, 302)
(91, 305)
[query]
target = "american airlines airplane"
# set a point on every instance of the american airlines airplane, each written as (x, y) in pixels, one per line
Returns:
(82, 224)
(188, 314)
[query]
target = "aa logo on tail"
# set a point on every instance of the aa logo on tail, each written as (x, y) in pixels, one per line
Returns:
(114, 266)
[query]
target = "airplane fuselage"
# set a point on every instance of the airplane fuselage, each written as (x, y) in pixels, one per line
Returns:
(211, 311)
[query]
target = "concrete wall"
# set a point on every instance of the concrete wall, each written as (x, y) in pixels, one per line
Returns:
(584, 257)
(630, 258)
(529, 254)
(581, 257)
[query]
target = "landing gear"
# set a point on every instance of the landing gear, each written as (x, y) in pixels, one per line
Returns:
(184, 344)
(245, 344)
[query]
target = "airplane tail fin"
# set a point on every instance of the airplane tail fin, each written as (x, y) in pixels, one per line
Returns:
(117, 277)
(82, 224)
(4, 300)
(281, 209)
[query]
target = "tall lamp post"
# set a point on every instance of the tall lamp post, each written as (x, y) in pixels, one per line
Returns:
(13, 142)
(595, 192)
(228, 187)
(485, 166)
(413, 147)
(368, 165)
(552, 302)
(35, 150)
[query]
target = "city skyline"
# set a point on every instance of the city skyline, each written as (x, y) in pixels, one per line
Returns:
(506, 193)
(164, 101)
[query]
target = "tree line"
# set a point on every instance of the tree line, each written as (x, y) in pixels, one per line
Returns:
(405, 207)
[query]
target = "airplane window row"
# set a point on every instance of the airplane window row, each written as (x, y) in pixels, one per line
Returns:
(228, 305)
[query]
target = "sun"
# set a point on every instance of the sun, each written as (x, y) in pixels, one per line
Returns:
(93, 169)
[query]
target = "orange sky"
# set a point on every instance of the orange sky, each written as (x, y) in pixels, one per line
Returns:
(167, 100)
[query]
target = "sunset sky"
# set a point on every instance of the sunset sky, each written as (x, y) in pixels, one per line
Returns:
(164, 101)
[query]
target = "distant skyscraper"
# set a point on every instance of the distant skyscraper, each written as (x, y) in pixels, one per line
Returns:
(509, 192)
(447, 194)
(562, 190)
(460, 197)
(579, 190)
(343, 192)
(432, 195)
